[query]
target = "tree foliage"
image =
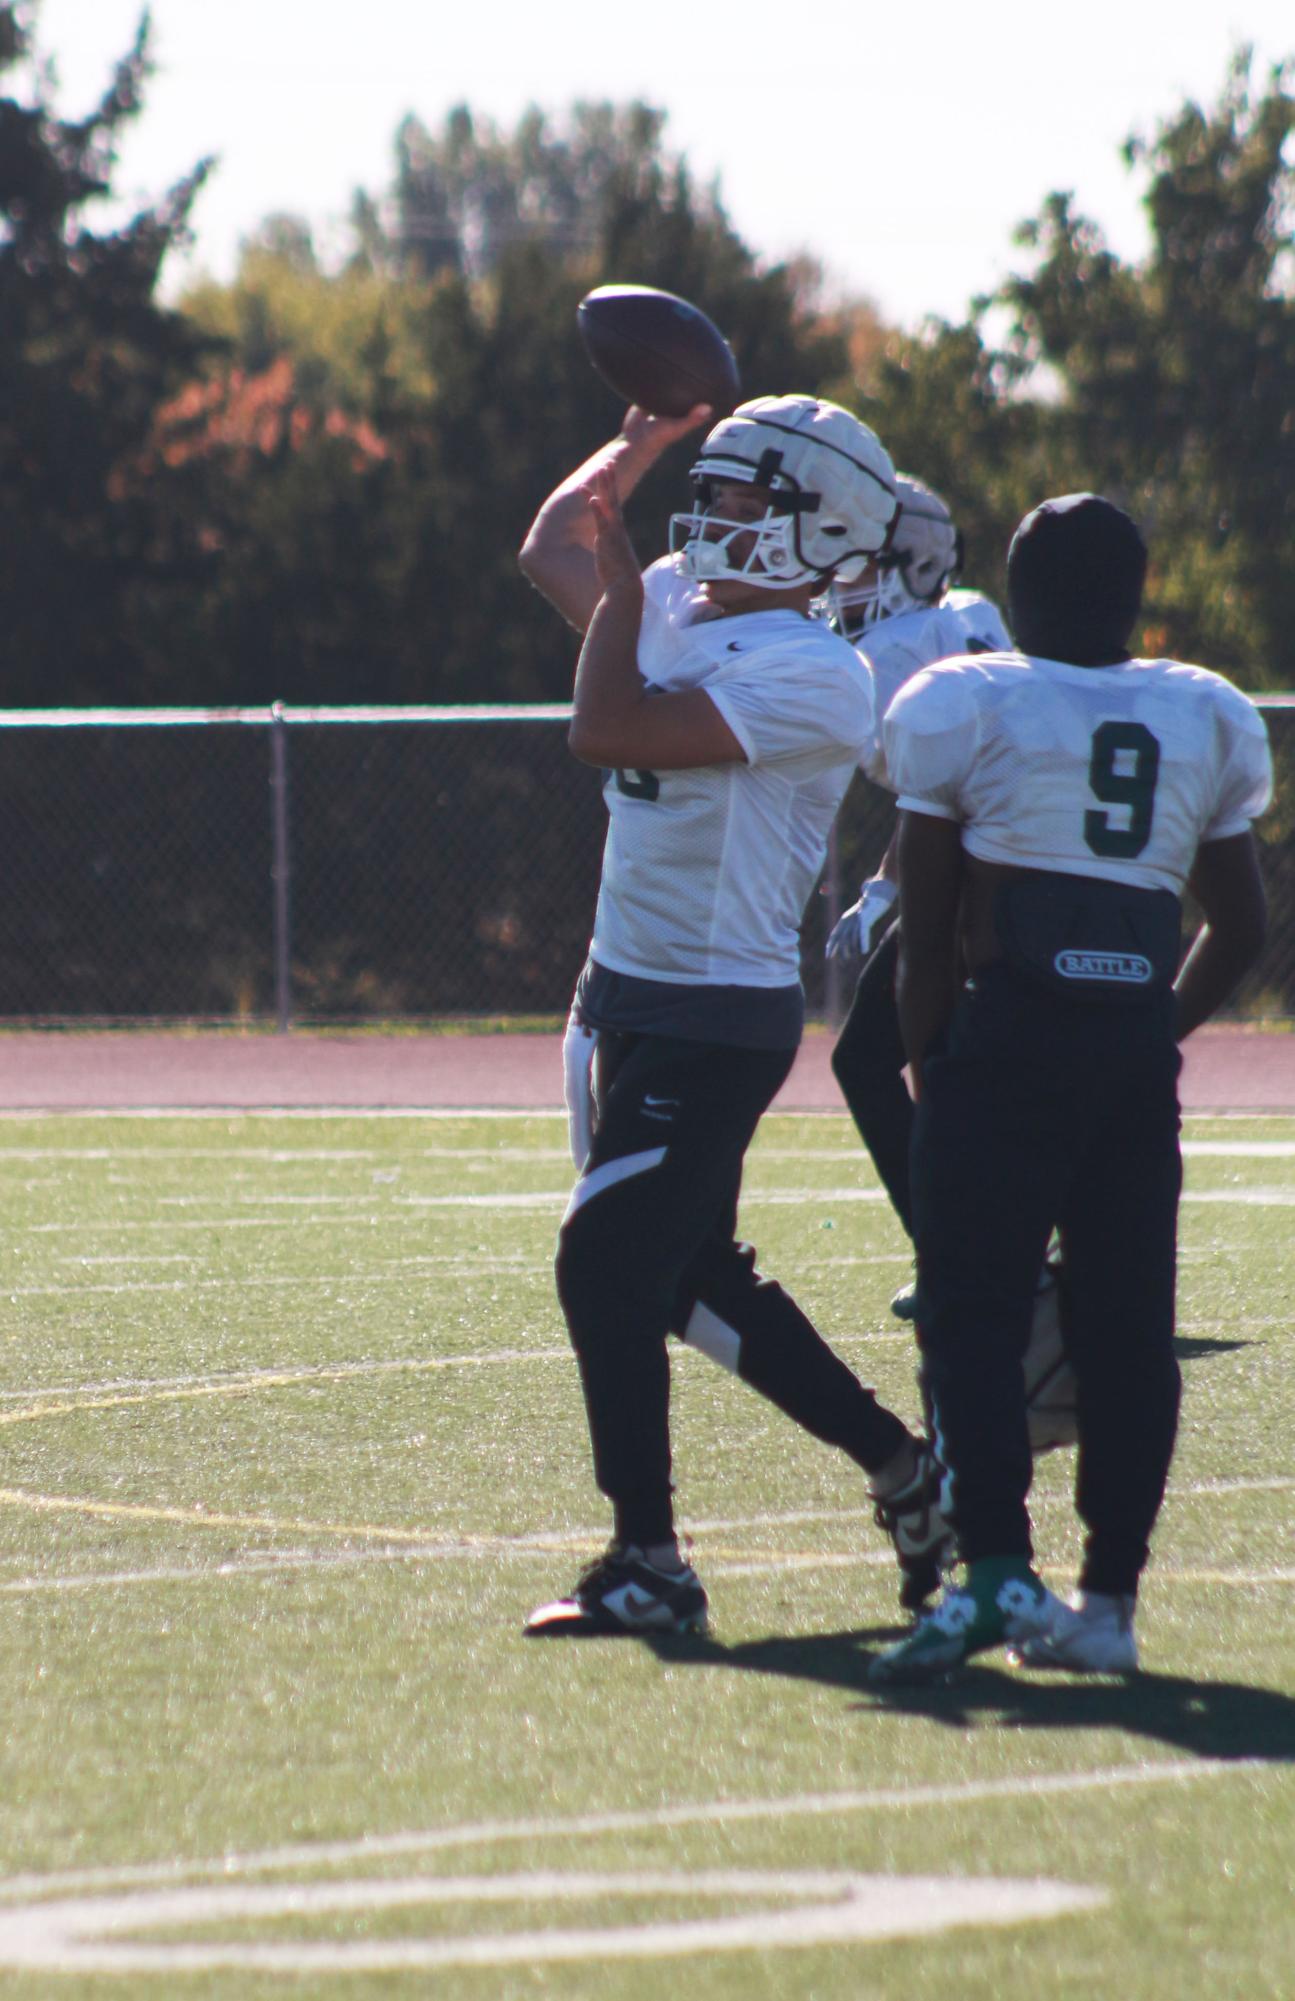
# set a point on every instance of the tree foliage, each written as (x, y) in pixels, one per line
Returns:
(1177, 375)
(310, 482)
(450, 334)
(87, 357)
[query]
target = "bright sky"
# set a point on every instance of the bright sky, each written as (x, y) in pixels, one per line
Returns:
(900, 145)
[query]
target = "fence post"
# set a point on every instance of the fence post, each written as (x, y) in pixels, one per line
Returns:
(280, 873)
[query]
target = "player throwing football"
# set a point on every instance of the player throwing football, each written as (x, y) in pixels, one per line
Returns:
(1054, 804)
(730, 724)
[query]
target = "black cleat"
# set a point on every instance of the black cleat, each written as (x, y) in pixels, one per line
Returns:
(621, 1592)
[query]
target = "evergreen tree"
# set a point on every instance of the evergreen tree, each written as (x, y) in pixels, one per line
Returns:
(86, 358)
(448, 340)
(1176, 376)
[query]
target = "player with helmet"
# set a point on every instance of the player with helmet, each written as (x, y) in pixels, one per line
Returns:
(902, 614)
(1055, 802)
(730, 723)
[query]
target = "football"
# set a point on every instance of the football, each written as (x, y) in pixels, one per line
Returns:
(656, 350)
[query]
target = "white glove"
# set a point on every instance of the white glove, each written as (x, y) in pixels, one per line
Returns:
(857, 929)
(578, 1046)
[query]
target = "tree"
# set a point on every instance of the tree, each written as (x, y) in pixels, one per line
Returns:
(448, 335)
(948, 407)
(1168, 383)
(87, 356)
(1176, 377)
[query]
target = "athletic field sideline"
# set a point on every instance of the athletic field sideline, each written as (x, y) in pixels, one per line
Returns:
(1228, 1066)
(292, 1444)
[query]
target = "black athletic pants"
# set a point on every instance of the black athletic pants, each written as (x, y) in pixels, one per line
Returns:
(1039, 1110)
(868, 1062)
(647, 1247)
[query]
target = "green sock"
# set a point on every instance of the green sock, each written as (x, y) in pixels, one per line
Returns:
(987, 1575)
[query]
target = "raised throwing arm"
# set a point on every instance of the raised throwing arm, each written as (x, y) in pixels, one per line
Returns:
(557, 554)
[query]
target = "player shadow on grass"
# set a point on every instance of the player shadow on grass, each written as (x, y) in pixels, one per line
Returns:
(1212, 1719)
(1188, 1347)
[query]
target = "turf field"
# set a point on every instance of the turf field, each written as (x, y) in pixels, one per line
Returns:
(292, 1442)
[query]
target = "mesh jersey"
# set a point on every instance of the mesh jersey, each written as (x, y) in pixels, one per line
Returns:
(1119, 772)
(706, 871)
(962, 622)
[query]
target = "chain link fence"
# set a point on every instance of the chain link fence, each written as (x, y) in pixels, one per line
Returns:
(328, 866)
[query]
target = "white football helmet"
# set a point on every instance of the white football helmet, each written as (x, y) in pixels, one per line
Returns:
(921, 560)
(834, 495)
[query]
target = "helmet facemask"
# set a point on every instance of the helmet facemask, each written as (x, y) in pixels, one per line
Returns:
(885, 594)
(712, 545)
(913, 572)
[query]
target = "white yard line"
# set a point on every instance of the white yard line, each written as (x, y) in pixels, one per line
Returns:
(385, 1544)
(66, 1404)
(541, 1200)
(313, 1198)
(228, 1382)
(346, 1281)
(397, 1271)
(131, 1258)
(762, 1150)
(718, 1564)
(198, 1517)
(1239, 1149)
(371, 1848)
(124, 1225)
(181, 1156)
(1278, 1485)
(1257, 1198)
(421, 1553)
(779, 1909)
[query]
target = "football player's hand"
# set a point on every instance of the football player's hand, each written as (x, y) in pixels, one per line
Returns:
(614, 557)
(859, 928)
(640, 428)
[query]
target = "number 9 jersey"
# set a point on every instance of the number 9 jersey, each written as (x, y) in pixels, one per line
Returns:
(1119, 772)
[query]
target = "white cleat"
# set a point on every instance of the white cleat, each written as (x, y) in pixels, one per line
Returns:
(1093, 1635)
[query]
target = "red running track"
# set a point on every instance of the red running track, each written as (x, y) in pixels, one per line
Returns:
(1228, 1067)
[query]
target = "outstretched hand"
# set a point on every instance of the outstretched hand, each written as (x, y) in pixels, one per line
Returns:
(615, 562)
(614, 557)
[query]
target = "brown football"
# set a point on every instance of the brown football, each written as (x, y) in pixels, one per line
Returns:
(657, 350)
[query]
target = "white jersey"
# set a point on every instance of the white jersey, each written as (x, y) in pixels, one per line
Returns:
(1118, 772)
(706, 871)
(897, 648)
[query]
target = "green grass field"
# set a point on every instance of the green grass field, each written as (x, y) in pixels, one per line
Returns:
(292, 1442)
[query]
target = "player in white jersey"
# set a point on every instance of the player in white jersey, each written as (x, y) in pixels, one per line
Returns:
(1054, 805)
(901, 614)
(730, 723)
(905, 611)
(904, 614)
